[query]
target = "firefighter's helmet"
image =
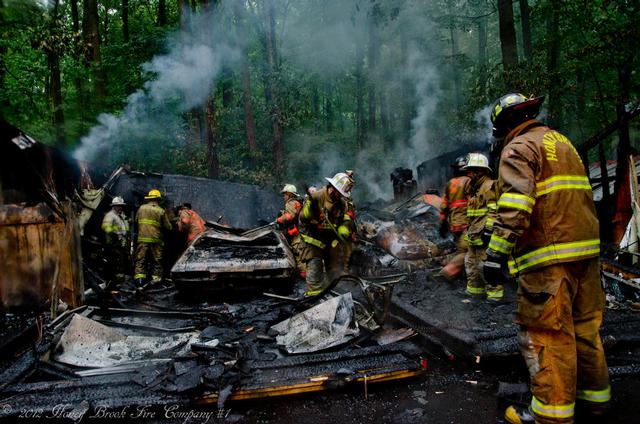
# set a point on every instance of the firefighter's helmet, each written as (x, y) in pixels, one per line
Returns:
(289, 188)
(459, 163)
(118, 201)
(153, 194)
(477, 160)
(342, 183)
(511, 110)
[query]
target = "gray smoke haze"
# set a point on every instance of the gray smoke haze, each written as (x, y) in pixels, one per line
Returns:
(326, 43)
(181, 79)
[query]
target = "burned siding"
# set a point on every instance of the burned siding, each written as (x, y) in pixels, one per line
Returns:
(241, 205)
(40, 258)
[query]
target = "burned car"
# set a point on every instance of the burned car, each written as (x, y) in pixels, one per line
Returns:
(224, 257)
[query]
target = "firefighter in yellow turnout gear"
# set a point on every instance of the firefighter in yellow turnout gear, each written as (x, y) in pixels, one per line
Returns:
(288, 222)
(481, 212)
(324, 225)
(116, 234)
(547, 221)
(151, 220)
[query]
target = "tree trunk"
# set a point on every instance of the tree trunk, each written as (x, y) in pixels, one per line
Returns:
(384, 117)
(360, 124)
(245, 76)
(328, 106)
(407, 92)
(272, 78)
(162, 13)
(553, 51)
(213, 166)
(508, 44)
(78, 82)
(453, 68)
(526, 29)
(125, 20)
(55, 85)
(92, 38)
(372, 61)
(315, 106)
(482, 51)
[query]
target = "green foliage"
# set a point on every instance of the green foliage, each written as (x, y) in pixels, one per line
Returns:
(397, 56)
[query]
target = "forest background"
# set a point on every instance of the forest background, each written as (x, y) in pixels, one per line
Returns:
(274, 91)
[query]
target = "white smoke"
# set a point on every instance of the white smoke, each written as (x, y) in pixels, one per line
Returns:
(182, 79)
(427, 89)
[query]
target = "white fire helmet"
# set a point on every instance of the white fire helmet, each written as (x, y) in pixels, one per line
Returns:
(289, 188)
(342, 183)
(118, 201)
(477, 160)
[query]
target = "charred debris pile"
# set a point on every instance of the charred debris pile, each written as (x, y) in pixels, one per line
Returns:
(229, 322)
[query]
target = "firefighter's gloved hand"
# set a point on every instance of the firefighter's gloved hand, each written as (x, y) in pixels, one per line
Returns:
(444, 229)
(344, 232)
(486, 237)
(495, 268)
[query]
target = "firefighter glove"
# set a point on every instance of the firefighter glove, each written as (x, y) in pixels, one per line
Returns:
(486, 236)
(344, 232)
(495, 268)
(444, 229)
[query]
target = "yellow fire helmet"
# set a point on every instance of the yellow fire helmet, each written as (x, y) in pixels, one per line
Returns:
(153, 194)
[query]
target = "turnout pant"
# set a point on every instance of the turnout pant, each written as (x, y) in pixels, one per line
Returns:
(559, 311)
(473, 265)
(317, 261)
(148, 257)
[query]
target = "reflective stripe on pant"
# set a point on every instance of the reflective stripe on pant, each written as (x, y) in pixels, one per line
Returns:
(560, 310)
(473, 265)
(148, 257)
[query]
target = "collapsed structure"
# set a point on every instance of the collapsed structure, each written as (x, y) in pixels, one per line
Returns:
(177, 343)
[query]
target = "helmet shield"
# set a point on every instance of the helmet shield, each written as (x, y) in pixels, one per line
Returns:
(342, 183)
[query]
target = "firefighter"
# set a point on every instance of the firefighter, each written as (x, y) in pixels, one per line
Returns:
(116, 234)
(190, 222)
(346, 248)
(546, 220)
(151, 220)
(481, 212)
(324, 224)
(288, 221)
(453, 216)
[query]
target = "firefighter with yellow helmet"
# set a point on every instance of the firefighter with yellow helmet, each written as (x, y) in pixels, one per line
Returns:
(151, 220)
(547, 224)
(325, 225)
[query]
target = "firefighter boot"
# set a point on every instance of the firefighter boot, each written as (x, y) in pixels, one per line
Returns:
(519, 415)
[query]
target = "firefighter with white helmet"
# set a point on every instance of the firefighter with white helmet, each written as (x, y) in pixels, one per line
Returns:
(481, 211)
(151, 220)
(116, 234)
(325, 225)
(288, 222)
